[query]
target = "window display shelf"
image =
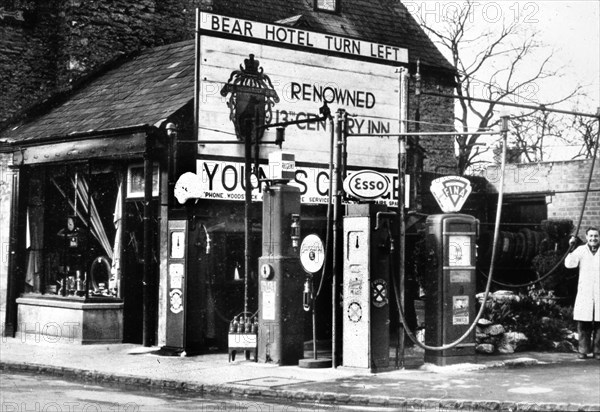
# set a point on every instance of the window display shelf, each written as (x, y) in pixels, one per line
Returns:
(70, 319)
(73, 298)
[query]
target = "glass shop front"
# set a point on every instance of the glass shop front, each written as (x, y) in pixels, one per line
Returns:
(81, 245)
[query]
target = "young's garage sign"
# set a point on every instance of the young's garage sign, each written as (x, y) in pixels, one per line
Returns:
(222, 180)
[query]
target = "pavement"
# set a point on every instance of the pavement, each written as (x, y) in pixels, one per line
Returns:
(524, 381)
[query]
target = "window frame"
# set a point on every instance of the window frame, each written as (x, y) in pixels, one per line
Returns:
(335, 10)
(50, 281)
(135, 181)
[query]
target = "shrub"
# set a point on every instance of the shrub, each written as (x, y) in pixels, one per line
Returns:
(537, 315)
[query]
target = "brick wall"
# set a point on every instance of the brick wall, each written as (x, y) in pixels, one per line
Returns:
(563, 184)
(436, 114)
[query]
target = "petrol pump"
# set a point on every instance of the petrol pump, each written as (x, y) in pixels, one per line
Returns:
(366, 287)
(280, 306)
(450, 300)
(184, 286)
(176, 286)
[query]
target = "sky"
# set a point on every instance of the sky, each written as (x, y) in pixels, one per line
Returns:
(573, 29)
(570, 31)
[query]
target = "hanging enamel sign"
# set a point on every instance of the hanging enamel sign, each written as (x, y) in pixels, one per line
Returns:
(312, 253)
(366, 184)
(451, 192)
(379, 296)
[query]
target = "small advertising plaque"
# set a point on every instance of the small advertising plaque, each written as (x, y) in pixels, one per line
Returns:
(268, 299)
(282, 166)
(460, 310)
(176, 275)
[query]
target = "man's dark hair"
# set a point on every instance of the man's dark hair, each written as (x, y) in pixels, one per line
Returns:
(591, 228)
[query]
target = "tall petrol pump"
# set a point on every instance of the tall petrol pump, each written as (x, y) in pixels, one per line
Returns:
(281, 277)
(177, 263)
(184, 287)
(365, 311)
(450, 300)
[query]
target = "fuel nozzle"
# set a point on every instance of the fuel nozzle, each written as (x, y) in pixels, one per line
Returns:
(295, 231)
(307, 296)
(392, 245)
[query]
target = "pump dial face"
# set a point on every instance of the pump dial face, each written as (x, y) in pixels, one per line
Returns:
(266, 271)
(459, 250)
(177, 244)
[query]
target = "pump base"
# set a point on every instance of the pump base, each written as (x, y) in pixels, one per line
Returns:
(449, 360)
(314, 363)
(172, 351)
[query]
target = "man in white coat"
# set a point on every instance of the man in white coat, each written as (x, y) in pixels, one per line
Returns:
(587, 303)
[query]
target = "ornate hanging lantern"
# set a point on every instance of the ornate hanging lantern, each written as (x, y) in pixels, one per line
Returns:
(251, 98)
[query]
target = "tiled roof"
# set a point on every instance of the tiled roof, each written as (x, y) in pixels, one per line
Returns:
(142, 91)
(160, 81)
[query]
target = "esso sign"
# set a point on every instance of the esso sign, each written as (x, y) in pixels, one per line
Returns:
(366, 184)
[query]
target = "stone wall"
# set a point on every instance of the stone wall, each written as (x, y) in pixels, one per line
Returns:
(98, 31)
(563, 184)
(46, 46)
(28, 44)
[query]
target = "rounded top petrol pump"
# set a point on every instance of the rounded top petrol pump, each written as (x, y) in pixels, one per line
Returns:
(450, 285)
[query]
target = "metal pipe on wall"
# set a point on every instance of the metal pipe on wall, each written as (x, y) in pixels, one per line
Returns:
(403, 117)
(147, 329)
(247, 211)
(197, 79)
(337, 173)
(13, 286)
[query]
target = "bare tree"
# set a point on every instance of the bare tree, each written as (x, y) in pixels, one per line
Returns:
(586, 129)
(535, 133)
(506, 60)
(531, 131)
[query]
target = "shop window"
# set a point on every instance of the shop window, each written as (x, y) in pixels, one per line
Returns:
(136, 178)
(73, 231)
(525, 210)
